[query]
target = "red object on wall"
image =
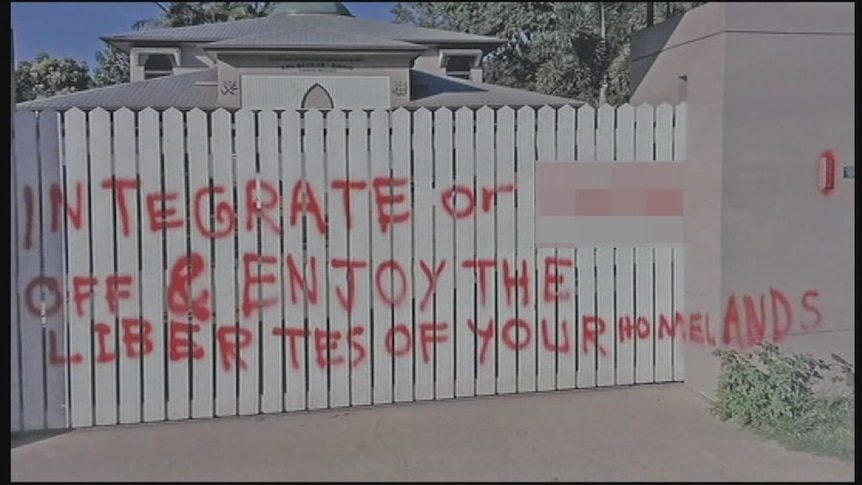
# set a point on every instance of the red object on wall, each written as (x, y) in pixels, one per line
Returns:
(826, 172)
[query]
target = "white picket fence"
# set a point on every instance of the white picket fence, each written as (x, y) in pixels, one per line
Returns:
(171, 265)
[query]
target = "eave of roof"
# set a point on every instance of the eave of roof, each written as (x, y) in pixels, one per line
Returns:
(433, 91)
(266, 25)
(198, 90)
(182, 91)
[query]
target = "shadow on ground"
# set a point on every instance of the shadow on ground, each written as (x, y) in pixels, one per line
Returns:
(646, 433)
(27, 437)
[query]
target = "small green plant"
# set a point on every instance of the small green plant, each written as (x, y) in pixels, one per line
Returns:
(782, 397)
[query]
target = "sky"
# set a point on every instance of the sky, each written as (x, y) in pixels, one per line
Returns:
(72, 29)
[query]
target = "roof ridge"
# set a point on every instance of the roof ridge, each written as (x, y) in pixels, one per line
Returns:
(317, 28)
(430, 29)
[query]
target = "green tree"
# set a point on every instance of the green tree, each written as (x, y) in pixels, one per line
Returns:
(113, 67)
(48, 76)
(577, 50)
(182, 14)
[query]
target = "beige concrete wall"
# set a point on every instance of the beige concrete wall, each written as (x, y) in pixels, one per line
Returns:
(231, 69)
(769, 88)
(429, 61)
(136, 73)
(348, 60)
(790, 88)
(193, 57)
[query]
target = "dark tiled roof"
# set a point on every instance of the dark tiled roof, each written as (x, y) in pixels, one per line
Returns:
(313, 38)
(180, 91)
(281, 22)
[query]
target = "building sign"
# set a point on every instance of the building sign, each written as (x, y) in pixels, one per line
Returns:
(399, 88)
(229, 87)
(315, 65)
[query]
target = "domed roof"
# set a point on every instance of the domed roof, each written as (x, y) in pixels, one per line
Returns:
(304, 8)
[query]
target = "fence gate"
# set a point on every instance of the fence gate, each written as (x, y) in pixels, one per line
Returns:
(189, 264)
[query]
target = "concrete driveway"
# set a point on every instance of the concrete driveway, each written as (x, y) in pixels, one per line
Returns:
(653, 433)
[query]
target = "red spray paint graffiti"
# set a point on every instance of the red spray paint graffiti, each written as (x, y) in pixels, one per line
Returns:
(747, 319)
(261, 203)
(774, 320)
(391, 281)
(33, 296)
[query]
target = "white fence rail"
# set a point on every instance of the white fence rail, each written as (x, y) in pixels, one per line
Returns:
(174, 265)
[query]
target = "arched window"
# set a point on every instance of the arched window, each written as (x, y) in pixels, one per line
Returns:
(158, 65)
(317, 98)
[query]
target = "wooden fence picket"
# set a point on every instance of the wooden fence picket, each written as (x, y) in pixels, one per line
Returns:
(52, 248)
(301, 276)
(401, 290)
(424, 261)
(16, 311)
(153, 281)
(225, 282)
(316, 241)
(485, 353)
(359, 249)
(337, 328)
(26, 149)
(644, 321)
(203, 369)
(587, 319)
(444, 250)
(179, 325)
(525, 264)
(268, 196)
(606, 340)
(663, 344)
(128, 252)
(507, 367)
(566, 258)
(624, 261)
(381, 321)
(465, 250)
(546, 326)
(78, 243)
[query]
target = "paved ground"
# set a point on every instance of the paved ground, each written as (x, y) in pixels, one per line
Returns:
(644, 433)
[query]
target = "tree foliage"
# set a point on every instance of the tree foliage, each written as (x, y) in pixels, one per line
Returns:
(113, 67)
(552, 47)
(183, 14)
(48, 76)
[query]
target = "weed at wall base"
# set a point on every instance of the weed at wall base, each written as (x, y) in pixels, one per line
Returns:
(782, 397)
